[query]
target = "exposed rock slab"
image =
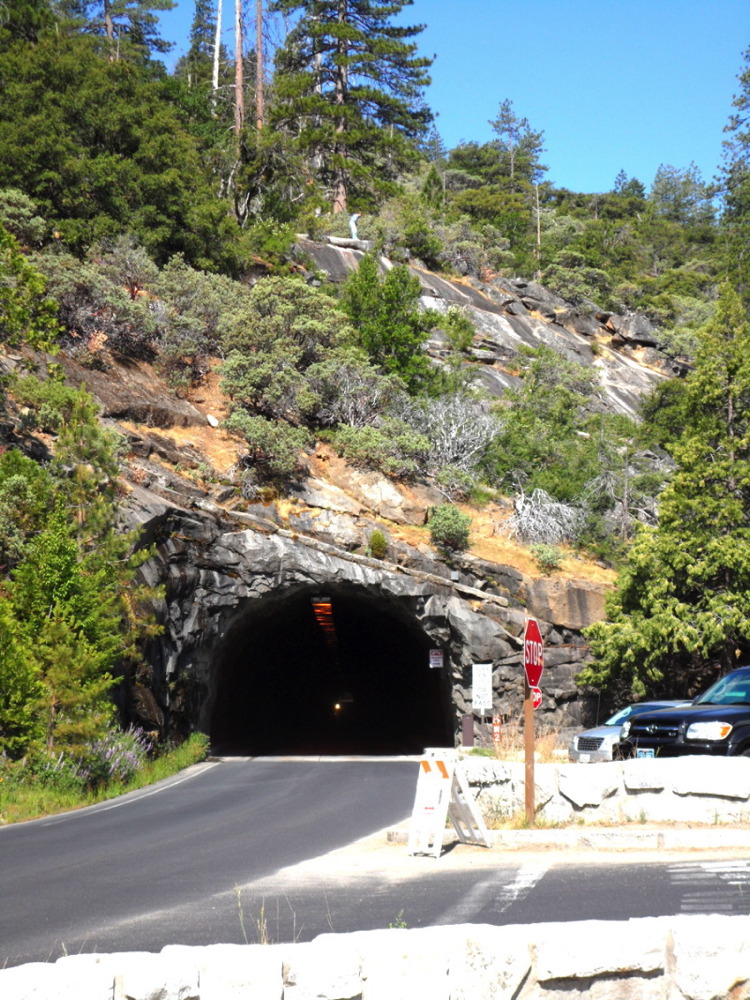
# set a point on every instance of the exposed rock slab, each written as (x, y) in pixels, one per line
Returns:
(511, 313)
(136, 394)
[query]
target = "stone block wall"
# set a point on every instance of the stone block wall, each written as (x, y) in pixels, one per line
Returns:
(688, 789)
(695, 957)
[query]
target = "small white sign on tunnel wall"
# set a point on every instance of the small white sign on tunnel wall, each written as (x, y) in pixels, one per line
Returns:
(481, 688)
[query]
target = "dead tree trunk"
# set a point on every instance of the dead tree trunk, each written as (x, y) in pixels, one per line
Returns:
(239, 82)
(260, 107)
(339, 149)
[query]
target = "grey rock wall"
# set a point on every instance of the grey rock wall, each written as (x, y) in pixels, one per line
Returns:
(700, 789)
(680, 958)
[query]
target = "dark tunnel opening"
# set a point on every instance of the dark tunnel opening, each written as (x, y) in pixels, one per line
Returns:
(328, 672)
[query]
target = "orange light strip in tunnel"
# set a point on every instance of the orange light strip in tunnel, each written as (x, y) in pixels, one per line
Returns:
(324, 616)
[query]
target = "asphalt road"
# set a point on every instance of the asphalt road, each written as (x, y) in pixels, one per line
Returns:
(280, 850)
(165, 865)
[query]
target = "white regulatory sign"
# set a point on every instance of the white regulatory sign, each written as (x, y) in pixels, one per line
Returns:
(481, 688)
(436, 659)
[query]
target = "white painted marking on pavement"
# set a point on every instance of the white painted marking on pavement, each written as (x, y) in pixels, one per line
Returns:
(477, 899)
(722, 875)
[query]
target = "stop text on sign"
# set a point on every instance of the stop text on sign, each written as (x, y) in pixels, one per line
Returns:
(534, 653)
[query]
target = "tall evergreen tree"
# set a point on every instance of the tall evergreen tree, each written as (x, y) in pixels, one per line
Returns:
(131, 27)
(197, 63)
(681, 195)
(392, 327)
(683, 599)
(735, 184)
(102, 148)
(349, 85)
(519, 146)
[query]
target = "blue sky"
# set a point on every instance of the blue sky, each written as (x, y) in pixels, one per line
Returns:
(613, 84)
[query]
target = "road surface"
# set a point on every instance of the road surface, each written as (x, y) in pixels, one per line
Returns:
(273, 850)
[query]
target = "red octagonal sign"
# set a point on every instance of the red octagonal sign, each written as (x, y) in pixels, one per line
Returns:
(533, 653)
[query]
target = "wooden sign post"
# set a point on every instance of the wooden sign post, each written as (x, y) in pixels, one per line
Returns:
(528, 732)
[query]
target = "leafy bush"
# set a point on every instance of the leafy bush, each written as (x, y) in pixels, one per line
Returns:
(124, 262)
(25, 497)
(274, 445)
(49, 402)
(18, 216)
(393, 447)
(190, 308)
(548, 557)
(346, 388)
(285, 328)
(59, 773)
(27, 316)
(458, 328)
(455, 483)
(94, 311)
(449, 528)
(378, 544)
(117, 756)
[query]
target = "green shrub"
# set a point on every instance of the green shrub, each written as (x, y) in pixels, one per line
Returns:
(116, 756)
(274, 445)
(458, 328)
(548, 557)
(378, 546)
(49, 403)
(393, 448)
(449, 528)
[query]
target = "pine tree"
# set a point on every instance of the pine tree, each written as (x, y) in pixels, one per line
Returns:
(197, 63)
(350, 87)
(519, 147)
(735, 185)
(20, 687)
(683, 599)
(392, 327)
(131, 27)
(72, 613)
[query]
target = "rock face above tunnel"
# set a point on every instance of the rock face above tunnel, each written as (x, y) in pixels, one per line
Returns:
(509, 314)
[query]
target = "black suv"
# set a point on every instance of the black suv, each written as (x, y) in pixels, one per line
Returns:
(717, 723)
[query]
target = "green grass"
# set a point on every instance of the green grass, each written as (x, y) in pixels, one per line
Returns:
(21, 801)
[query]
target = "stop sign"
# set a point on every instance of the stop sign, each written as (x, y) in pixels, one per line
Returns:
(533, 653)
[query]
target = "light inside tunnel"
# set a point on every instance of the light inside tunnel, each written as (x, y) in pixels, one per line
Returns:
(324, 617)
(341, 673)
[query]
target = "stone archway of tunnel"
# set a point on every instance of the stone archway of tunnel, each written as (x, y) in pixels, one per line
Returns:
(328, 671)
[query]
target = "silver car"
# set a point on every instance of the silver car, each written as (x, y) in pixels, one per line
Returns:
(595, 745)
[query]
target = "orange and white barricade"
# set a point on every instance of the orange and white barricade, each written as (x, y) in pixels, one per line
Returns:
(442, 793)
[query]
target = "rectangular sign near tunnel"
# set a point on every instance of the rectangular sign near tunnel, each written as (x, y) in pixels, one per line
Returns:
(481, 688)
(436, 659)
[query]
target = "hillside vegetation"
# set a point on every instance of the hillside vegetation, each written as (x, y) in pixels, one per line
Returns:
(153, 217)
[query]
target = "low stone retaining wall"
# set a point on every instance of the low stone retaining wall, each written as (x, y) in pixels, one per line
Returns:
(666, 957)
(683, 789)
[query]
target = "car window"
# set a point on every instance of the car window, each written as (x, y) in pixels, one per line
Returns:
(727, 691)
(619, 717)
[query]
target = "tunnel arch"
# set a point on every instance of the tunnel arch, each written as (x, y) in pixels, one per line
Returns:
(290, 677)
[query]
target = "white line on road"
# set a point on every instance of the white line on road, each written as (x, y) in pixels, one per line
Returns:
(477, 899)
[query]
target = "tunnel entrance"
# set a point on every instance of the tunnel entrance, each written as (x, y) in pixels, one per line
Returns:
(328, 672)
